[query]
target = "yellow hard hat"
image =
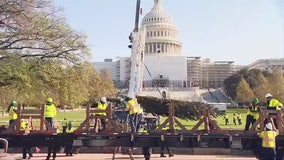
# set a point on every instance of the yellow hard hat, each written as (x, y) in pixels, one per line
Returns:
(49, 100)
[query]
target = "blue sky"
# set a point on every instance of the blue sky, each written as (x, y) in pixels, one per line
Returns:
(238, 30)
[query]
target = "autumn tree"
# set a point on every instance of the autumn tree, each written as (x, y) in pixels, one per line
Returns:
(276, 82)
(261, 87)
(108, 88)
(244, 93)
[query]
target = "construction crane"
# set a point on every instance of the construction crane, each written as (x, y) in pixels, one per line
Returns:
(137, 40)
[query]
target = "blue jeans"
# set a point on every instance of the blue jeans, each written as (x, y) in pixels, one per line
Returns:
(132, 121)
(50, 121)
(249, 122)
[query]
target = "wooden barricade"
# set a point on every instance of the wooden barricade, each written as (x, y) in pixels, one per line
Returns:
(269, 115)
(172, 120)
(30, 114)
(91, 116)
(209, 124)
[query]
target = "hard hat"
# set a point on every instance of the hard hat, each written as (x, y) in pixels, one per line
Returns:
(50, 100)
(13, 102)
(268, 95)
(103, 99)
(255, 100)
(268, 126)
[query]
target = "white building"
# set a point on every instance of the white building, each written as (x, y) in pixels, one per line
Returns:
(162, 53)
(268, 64)
(165, 66)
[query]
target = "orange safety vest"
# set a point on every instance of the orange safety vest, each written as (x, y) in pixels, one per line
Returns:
(268, 138)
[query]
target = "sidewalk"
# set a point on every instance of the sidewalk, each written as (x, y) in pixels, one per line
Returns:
(136, 157)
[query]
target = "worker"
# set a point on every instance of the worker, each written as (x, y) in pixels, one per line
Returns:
(226, 118)
(26, 149)
(252, 113)
(239, 118)
(101, 105)
(70, 127)
(23, 125)
(12, 110)
(268, 142)
(235, 118)
(132, 109)
(273, 104)
(50, 112)
(51, 149)
(139, 115)
(164, 146)
(64, 125)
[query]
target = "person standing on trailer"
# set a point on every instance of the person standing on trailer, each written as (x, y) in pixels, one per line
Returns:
(12, 110)
(101, 105)
(268, 142)
(132, 110)
(252, 113)
(139, 116)
(273, 104)
(50, 112)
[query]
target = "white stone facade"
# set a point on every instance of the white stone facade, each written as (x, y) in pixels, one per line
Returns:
(268, 64)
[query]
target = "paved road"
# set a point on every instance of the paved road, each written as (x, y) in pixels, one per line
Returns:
(125, 157)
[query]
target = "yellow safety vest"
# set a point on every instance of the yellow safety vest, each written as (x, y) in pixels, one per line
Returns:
(23, 125)
(102, 107)
(50, 111)
(131, 106)
(268, 138)
(69, 131)
(253, 111)
(64, 123)
(12, 114)
(239, 116)
(274, 104)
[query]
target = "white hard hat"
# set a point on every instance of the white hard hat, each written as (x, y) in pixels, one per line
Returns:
(268, 126)
(103, 99)
(268, 95)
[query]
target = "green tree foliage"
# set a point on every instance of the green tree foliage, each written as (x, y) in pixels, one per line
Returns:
(41, 56)
(252, 77)
(244, 92)
(35, 28)
(107, 83)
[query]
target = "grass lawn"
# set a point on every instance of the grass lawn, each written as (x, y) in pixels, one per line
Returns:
(221, 122)
(78, 116)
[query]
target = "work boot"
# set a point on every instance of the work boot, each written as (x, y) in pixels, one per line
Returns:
(162, 155)
(171, 155)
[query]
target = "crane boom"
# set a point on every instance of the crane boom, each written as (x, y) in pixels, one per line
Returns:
(137, 38)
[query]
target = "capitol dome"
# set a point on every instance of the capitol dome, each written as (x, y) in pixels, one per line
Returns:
(157, 15)
(161, 33)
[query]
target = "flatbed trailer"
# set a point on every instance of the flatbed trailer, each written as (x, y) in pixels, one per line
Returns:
(195, 138)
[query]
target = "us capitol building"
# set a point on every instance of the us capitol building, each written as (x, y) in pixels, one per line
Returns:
(166, 67)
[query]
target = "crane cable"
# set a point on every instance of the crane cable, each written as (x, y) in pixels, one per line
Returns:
(153, 80)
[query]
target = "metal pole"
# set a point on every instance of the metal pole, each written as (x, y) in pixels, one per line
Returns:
(137, 16)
